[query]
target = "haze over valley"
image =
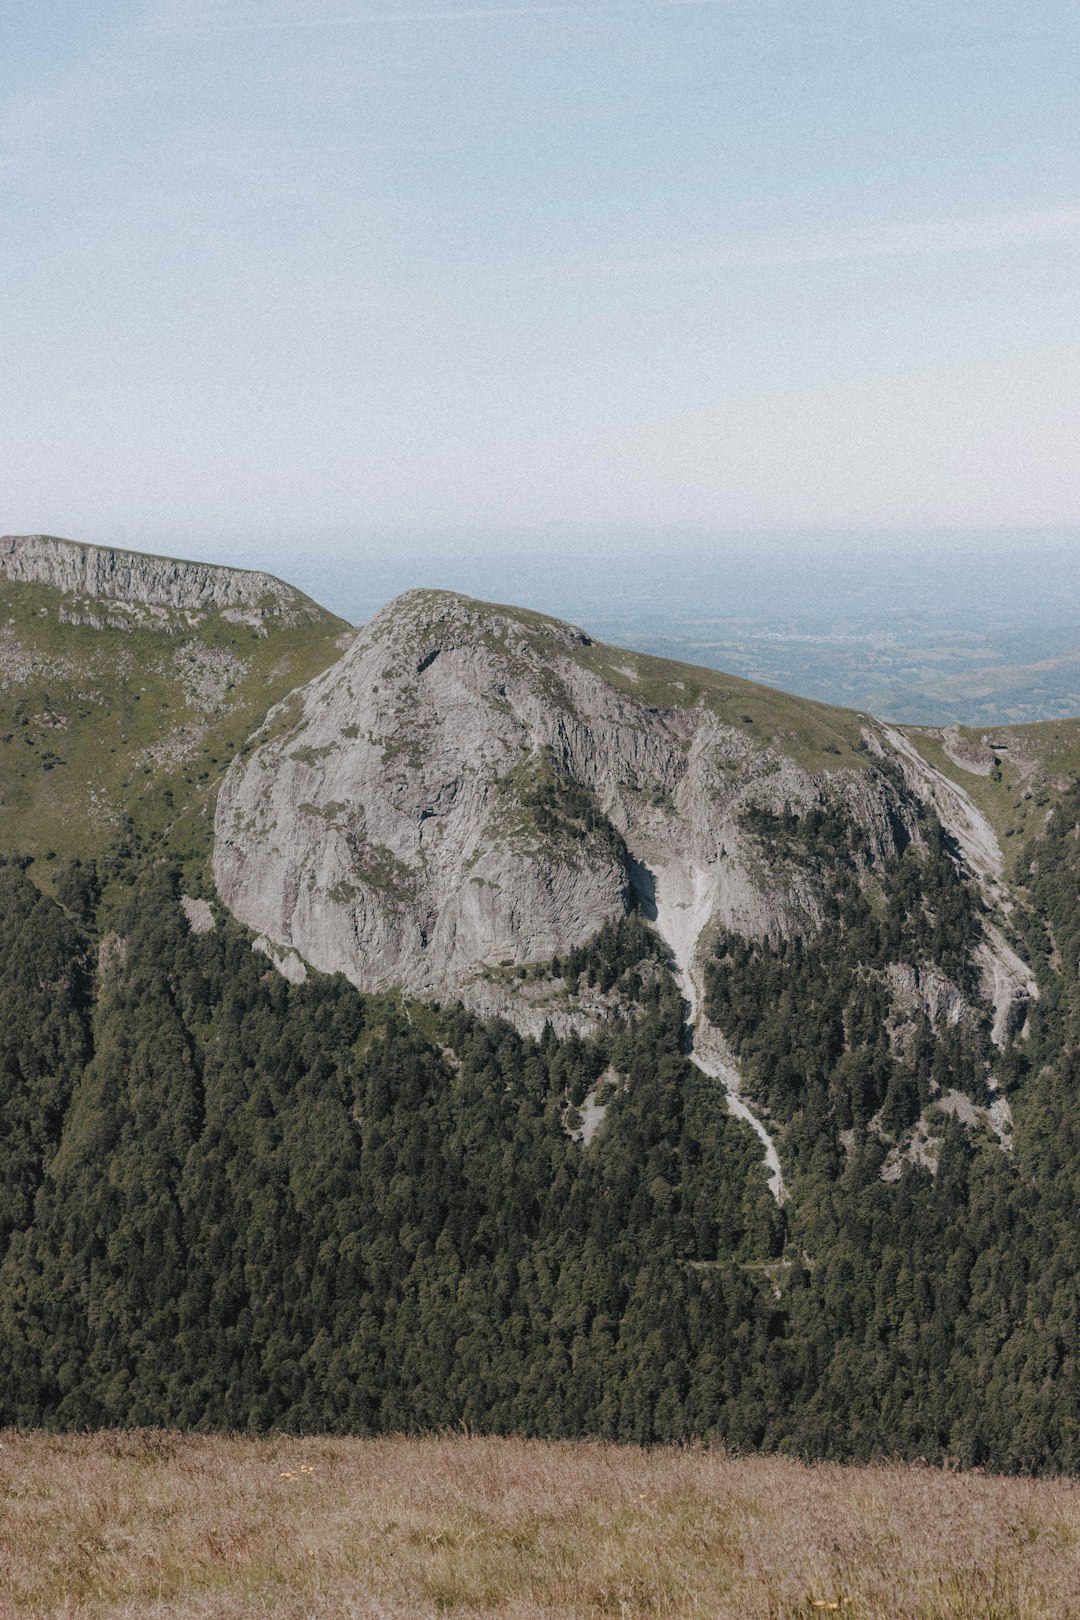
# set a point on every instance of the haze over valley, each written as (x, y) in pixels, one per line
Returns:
(975, 629)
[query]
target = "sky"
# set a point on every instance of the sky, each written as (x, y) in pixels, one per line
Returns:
(305, 277)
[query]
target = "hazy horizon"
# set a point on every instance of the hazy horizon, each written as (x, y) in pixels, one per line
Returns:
(926, 629)
(925, 633)
(711, 325)
(923, 628)
(514, 266)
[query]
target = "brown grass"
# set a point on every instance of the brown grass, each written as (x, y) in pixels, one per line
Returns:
(150, 1524)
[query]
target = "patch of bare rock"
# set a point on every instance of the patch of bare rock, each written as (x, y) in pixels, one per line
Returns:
(977, 757)
(287, 962)
(583, 1124)
(198, 913)
(119, 589)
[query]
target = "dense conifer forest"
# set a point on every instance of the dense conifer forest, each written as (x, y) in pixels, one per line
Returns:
(228, 1201)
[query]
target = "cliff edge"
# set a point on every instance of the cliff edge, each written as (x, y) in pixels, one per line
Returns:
(106, 574)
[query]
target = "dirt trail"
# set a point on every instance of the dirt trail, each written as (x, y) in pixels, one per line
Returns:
(679, 922)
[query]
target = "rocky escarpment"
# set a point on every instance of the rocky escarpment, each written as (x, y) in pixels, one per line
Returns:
(1007, 982)
(472, 789)
(111, 585)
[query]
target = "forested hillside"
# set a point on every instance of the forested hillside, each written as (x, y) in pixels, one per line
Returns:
(268, 1204)
(231, 1201)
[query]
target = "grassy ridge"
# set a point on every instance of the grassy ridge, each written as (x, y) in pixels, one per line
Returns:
(152, 1524)
(98, 723)
(817, 736)
(1034, 769)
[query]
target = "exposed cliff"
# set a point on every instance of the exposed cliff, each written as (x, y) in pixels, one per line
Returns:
(472, 789)
(97, 575)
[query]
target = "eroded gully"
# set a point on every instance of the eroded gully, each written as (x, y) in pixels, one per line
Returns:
(679, 923)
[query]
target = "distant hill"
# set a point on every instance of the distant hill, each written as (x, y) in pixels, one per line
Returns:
(127, 682)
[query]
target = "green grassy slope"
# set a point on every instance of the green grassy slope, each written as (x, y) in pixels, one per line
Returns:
(100, 724)
(1034, 767)
(1036, 763)
(812, 734)
(815, 735)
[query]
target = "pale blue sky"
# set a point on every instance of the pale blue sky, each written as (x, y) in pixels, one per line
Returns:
(303, 275)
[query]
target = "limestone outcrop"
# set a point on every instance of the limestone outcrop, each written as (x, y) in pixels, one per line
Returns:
(97, 575)
(472, 789)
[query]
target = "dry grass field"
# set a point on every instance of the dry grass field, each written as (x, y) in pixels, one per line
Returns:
(150, 1525)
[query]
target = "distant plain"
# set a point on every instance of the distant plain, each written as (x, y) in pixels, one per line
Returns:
(980, 631)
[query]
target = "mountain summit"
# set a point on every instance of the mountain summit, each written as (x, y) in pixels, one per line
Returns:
(472, 790)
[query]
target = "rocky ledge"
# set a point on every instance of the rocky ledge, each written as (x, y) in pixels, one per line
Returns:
(103, 574)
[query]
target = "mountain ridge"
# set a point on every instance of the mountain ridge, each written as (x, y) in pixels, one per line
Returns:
(80, 569)
(477, 786)
(474, 788)
(126, 681)
(473, 792)
(564, 783)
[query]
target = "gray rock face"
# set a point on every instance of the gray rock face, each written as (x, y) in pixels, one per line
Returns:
(1007, 983)
(102, 573)
(199, 916)
(467, 791)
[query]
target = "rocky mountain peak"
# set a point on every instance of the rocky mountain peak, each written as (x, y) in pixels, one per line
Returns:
(430, 622)
(473, 788)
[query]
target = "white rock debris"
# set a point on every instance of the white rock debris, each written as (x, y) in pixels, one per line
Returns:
(200, 917)
(287, 962)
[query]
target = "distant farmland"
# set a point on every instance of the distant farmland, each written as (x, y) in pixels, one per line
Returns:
(151, 1524)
